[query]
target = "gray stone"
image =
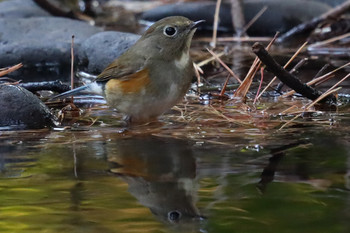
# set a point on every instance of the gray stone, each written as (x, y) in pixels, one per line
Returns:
(280, 15)
(43, 44)
(332, 2)
(40, 40)
(102, 48)
(20, 9)
(20, 109)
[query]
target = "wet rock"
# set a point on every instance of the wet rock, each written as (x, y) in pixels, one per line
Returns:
(43, 44)
(332, 2)
(20, 9)
(280, 15)
(40, 40)
(102, 48)
(20, 109)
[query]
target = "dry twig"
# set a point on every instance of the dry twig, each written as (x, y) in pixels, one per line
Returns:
(8, 70)
(287, 78)
(216, 23)
(329, 92)
(319, 79)
(309, 26)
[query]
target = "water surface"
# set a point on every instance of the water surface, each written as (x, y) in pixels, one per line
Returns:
(174, 176)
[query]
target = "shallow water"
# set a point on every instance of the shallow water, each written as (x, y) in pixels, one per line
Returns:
(188, 176)
(202, 168)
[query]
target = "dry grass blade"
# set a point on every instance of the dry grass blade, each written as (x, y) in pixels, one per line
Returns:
(197, 70)
(318, 44)
(288, 110)
(324, 95)
(216, 23)
(242, 90)
(285, 66)
(224, 87)
(290, 121)
(212, 58)
(72, 67)
(254, 19)
(319, 79)
(238, 39)
(330, 91)
(8, 70)
(261, 81)
(224, 65)
(307, 108)
(214, 111)
(245, 85)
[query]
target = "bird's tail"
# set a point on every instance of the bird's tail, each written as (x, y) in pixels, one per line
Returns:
(71, 92)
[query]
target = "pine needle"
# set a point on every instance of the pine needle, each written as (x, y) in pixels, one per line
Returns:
(8, 70)
(242, 90)
(224, 65)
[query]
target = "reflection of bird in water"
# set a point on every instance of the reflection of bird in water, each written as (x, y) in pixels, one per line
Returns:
(160, 174)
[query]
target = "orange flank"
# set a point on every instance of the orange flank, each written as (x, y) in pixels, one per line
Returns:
(129, 84)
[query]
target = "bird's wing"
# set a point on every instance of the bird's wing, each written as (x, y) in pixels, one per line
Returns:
(116, 70)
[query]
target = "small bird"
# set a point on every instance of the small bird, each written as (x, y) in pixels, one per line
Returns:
(152, 75)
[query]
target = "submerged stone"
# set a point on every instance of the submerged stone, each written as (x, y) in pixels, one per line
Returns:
(21, 109)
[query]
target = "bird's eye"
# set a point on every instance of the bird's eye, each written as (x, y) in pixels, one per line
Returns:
(174, 216)
(169, 31)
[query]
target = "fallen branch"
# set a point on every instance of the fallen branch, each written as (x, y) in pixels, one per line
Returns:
(56, 86)
(55, 11)
(289, 79)
(292, 71)
(320, 79)
(285, 66)
(312, 24)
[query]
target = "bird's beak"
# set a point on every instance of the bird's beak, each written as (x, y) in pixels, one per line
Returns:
(195, 24)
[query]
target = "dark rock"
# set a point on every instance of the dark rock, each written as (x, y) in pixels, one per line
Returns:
(20, 9)
(102, 48)
(43, 44)
(40, 40)
(280, 15)
(20, 109)
(331, 2)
